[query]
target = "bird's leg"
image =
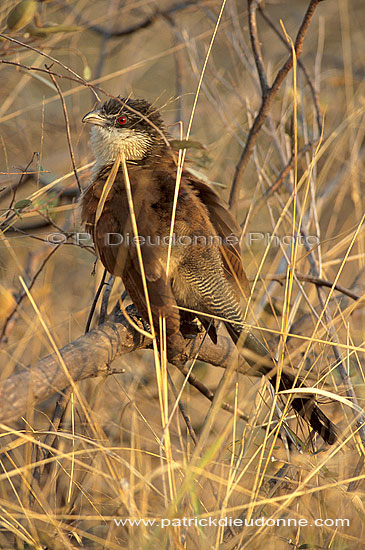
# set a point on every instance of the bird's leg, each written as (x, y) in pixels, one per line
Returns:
(177, 353)
(189, 325)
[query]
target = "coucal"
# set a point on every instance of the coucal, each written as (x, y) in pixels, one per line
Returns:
(205, 272)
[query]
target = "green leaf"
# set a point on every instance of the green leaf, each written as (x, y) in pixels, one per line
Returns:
(43, 32)
(87, 72)
(23, 203)
(21, 14)
(186, 144)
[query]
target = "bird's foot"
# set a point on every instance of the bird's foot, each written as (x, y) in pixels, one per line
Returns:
(190, 329)
(176, 350)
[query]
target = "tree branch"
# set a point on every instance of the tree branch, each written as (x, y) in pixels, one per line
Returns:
(266, 104)
(300, 64)
(255, 44)
(318, 281)
(149, 20)
(92, 355)
(68, 131)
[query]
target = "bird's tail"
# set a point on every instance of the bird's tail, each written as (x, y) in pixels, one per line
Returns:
(304, 406)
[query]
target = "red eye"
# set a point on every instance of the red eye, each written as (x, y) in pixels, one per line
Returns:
(122, 120)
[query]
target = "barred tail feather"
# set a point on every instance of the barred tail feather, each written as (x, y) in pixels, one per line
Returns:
(307, 408)
(304, 406)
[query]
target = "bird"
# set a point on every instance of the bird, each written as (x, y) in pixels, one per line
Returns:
(204, 276)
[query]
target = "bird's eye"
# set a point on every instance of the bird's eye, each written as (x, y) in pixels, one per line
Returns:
(121, 120)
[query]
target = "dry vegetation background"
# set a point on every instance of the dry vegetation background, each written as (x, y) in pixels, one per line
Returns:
(109, 459)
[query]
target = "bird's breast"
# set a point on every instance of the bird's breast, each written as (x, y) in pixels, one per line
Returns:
(153, 196)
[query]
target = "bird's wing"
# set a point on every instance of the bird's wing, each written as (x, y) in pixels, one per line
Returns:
(229, 231)
(121, 259)
(160, 296)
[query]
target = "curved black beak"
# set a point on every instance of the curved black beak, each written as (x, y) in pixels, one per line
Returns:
(94, 117)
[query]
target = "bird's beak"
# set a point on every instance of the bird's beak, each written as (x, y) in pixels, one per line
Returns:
(94, 117)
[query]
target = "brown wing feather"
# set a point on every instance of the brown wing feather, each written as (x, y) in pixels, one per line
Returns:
(161, 298)
(122, 260)
(226, 227)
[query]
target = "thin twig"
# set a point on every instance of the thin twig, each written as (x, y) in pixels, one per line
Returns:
(265, 106)
(101, 90)
(285, 171)
(255, 43)
(314, 280)
(349, 388)
(40, 52)
(105, 300)
(47, 71)
(22, 293)
(147, 22)
(179, 66)
(63, 401)
(42, 453)
(95, 301)
(68, 132)
(301, 66)
(182, 410)
(17, 185)
(204, 390)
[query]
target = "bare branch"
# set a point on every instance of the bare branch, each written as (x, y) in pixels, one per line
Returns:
(40, 52)
(144, 24)
(255, 43)
(68, 132)
(265, 107)
(95, 301)
(318, 281)
(105, 300)
(285, 171)
(204, 390)
(300, 64)
(22, 294)
(92, 355)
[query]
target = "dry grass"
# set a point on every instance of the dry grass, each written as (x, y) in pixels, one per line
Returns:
(112, 458)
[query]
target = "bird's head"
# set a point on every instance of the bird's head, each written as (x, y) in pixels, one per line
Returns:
(124, 125)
